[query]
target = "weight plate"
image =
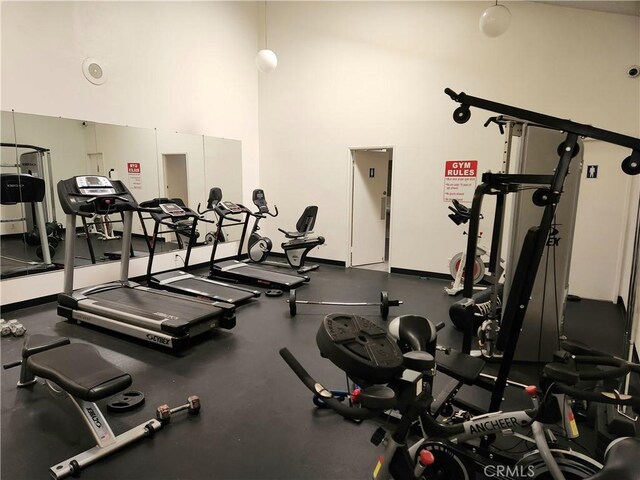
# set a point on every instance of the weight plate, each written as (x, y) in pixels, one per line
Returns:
(384, 304)
(126, 401)
(39, 253)
(359, 347)
(273, 293)
(293, 306)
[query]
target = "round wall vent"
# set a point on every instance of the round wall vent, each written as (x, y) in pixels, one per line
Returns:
(94, 71)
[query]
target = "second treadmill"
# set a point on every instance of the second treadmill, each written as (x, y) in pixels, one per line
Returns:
(236, 270)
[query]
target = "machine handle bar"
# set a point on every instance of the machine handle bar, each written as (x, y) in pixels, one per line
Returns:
(612, 398)
(351, 413)
(546, 120)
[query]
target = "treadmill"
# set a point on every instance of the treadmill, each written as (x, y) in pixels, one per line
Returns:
(161, 318)
(179, 219)
(236, 270)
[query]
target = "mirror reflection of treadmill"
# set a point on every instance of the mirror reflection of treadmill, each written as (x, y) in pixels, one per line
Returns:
(153, 316)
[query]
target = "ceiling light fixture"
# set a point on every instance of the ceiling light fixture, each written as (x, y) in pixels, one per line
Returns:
(495, 20)
(266, 60)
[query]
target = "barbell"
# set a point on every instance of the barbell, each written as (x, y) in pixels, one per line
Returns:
(384, 303)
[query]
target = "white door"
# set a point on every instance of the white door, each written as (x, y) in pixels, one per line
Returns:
(368, 224)
(95, 164)
(175, 177)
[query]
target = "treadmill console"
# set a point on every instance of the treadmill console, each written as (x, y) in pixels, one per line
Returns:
(172, 209)
(94, 185)
(86, 195)
(228, 208)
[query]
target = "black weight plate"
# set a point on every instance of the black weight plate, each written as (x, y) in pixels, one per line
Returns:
(126, 401)
(32, 238)
(39, 253)
(359, 347)
(384, 304)
(273, 293)
(293, 306)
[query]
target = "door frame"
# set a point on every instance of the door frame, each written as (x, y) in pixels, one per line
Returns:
(163, 156)
(349, 219)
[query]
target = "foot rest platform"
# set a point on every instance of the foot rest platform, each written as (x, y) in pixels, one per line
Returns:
(460, 366)
(78, 368)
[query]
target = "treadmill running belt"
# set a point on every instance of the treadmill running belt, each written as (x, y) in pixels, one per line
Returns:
(175, 311)
(218, 292)
(256, 272)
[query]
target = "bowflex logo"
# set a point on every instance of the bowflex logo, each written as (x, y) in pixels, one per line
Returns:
(94, 417)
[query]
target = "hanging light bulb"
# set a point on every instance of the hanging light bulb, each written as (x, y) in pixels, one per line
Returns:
(495, 20)
(266, 60)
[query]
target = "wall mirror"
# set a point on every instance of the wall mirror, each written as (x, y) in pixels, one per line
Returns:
(151, 163)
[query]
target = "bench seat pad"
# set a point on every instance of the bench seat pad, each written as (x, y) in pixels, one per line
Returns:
(80, 370)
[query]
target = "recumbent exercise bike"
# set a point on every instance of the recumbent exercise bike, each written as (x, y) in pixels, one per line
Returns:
(300, 241)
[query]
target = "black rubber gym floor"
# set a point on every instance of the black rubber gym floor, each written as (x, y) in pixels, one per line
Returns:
(257, 419)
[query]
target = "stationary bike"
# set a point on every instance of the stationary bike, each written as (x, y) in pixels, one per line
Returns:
(259, 247)
(461, 215)
(300, 241)
(457, 449)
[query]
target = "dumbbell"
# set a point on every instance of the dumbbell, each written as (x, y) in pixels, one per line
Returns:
(164, 412)
(384, 303)
(12, 327)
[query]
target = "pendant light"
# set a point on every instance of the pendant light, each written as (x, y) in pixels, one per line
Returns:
(495, 20)
(266, 60)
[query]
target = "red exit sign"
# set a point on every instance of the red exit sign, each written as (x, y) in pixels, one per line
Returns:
(133, 167)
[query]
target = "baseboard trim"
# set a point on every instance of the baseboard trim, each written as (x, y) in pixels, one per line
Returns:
(32, 302)
(421, 273)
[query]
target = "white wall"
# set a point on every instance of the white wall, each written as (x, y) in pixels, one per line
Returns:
(175, 66)
(602, 219)
(364, 74)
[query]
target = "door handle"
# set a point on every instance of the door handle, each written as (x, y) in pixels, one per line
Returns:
(383, 208)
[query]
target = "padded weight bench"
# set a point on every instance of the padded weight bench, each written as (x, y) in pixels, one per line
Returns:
(300, 243)
(86, 377)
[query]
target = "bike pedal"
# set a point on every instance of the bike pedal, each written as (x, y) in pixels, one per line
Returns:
(378, 436)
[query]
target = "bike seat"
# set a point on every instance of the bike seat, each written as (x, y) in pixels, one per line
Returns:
(621, 460)
(413, 332)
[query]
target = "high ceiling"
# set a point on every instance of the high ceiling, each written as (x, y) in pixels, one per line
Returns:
(622, 7)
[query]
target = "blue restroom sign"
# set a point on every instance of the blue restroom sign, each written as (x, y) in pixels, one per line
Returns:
(592, 171)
